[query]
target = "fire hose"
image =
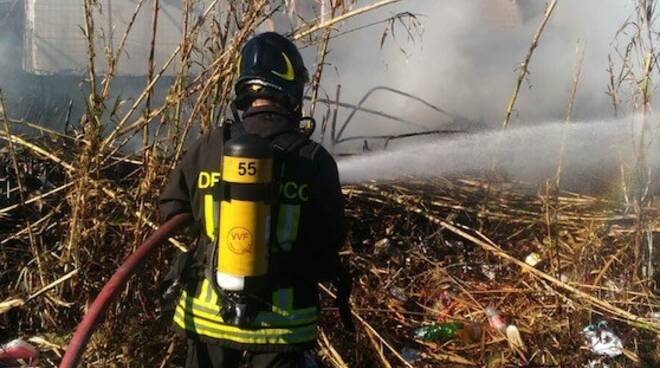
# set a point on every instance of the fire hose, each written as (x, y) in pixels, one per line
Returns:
(95, 312)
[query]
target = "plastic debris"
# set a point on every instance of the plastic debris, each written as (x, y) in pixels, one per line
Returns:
(602, 340)
(495, 320)
(489, 271)
(533, 259)
(382, 243)
(398, 294)
(470, 333)
(596, 364)
(514, 338)
(444, 331)
(411, 355)
(455, 244)
(444, 306)
(19, 350)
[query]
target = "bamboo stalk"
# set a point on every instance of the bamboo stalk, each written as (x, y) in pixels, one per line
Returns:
(523, 68)
(114, 59)
(320, 60)
(156, 78)
(306, 31)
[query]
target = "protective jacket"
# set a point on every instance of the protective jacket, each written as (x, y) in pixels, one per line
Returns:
(307, 230)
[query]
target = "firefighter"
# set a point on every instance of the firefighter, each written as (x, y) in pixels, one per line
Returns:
(275, 324)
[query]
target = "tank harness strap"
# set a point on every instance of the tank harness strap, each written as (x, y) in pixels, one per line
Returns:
(219, 195)
(284, 144)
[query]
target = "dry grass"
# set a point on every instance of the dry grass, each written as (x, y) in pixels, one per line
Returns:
(425, 242)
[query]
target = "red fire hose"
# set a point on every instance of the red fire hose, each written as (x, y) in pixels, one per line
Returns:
(86, 328)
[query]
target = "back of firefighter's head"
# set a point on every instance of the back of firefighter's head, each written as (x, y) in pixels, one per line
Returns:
(270, 67)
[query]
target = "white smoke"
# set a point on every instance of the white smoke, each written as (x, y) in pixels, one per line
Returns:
(466, 64)
(466, 61)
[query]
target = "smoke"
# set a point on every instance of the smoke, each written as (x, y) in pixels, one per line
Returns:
(466, 61)
(593, 153)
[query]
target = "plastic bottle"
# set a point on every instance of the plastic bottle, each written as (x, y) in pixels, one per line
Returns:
(398, 294)
(470, 333)
(410, 355)
(443, 331)
(18, 350)
(495, 320)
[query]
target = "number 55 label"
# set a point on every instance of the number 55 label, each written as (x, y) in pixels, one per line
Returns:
(247, 170)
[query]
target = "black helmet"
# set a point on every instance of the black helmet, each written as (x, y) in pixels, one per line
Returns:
(270, 66)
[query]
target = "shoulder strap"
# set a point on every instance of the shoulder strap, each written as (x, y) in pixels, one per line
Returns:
(288, 141)
(310, 150)
(292, 142)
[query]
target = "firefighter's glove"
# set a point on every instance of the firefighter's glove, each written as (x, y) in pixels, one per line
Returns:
(346, 316)
(344, 284)
(173, 283)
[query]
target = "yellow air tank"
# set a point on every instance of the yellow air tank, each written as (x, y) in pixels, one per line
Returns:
(247, 172)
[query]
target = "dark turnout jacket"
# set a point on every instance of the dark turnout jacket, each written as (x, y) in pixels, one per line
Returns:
(308, 229)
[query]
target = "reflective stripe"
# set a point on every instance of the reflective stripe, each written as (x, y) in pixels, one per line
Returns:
(207, 293)
(299, 317)
(264, 319)
(287, 225)
(277, 317)
(283, 300)
(208, 328)
(210, 216)
(283, 313)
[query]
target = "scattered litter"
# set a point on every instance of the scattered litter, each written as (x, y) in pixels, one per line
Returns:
(495, 320)
(602, 340)
(455, 244)
(596, 364)
(610, 284)
(382, 243)
(533, 259)
(514, 338)
(19, 349)
(398, 294)
(411, 355)
(470, 333)
(444, 306)
(489, 271)
(444, 331)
